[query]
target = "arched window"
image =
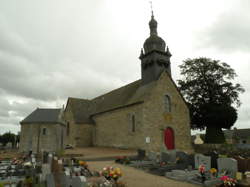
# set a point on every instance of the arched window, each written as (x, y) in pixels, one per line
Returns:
(167, 103)
(133, 123)
(68, 130)
(44, 131)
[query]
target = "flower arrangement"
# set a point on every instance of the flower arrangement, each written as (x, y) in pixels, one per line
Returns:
(202, 172)
(111, 173)
(202, 169)
(227, 181)
(83, 164)
(213, 172)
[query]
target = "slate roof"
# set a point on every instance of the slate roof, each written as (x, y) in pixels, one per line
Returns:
(80, 109)
(43, 115)
(129, 94)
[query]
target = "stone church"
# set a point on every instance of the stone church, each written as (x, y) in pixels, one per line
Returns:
(149, 113)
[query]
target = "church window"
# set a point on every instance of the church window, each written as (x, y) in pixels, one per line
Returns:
(44, 131)
(68, 129)
(167, 103)
(133, 123)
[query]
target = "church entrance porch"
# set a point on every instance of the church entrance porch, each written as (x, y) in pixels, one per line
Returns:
(169, 138)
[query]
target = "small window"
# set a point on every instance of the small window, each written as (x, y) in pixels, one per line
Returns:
(167, 103)
(133, 123)
(44, 131)
(68, 130)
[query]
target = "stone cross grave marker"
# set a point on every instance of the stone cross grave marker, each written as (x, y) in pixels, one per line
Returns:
(228, 164)
(200, 159)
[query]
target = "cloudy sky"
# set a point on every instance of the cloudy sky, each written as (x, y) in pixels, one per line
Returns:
(53, 49)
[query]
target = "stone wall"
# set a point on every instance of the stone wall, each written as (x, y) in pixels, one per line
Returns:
(114, 128)
(33, 137)
(156, 119)
(78, 135)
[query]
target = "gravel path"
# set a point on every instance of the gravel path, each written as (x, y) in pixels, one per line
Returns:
(138, 178)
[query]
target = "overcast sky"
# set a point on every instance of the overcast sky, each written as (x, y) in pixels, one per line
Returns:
(54, 49)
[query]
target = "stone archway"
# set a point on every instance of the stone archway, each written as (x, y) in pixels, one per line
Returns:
(169, 138)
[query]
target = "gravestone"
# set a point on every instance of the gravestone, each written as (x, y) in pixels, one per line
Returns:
(79, 182)
(45, 171)
(168, 156)
(65, 180)
(50, 180)
(202, 160)
(229, 165)
(152, 156)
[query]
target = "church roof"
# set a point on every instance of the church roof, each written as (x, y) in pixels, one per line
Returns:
(80, 109)
(133, 93)
(44, 115)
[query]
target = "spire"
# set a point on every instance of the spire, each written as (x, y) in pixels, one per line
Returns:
(153, 22)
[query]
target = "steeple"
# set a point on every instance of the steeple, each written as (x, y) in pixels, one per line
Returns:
(153, 25)
(155, 57)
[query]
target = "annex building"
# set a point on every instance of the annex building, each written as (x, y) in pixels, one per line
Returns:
(149, 113)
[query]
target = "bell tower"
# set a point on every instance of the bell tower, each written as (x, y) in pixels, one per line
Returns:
(155, 56)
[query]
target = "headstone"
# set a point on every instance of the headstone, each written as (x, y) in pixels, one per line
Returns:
(65, 180)
(229, 165)
(50, 180)
(152, 155)
(202, 160)
(169, 156)
(78, 182)
(45, 171)
(183, 158)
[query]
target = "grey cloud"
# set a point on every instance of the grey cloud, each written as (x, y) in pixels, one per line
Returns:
(230, 32)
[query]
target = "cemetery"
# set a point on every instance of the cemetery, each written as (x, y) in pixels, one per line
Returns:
(213, 168)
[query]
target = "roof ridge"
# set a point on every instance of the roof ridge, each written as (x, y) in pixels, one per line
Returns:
(115, 89)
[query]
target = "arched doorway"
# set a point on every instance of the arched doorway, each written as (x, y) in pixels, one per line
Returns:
(169, 138)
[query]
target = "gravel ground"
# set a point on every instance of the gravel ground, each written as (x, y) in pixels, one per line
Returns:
(138, 178)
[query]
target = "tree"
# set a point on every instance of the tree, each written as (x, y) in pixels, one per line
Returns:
(7, 137)
(212, 97)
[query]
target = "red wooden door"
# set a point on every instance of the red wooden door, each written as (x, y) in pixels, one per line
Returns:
(169, 138)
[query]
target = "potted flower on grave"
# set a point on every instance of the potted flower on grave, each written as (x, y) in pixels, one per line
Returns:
(227, 181)
(112, 174)
(213, 172)
(202, 173)
(83, 164)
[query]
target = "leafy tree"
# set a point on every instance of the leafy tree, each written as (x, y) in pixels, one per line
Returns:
(212, 96)
(7, 137)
